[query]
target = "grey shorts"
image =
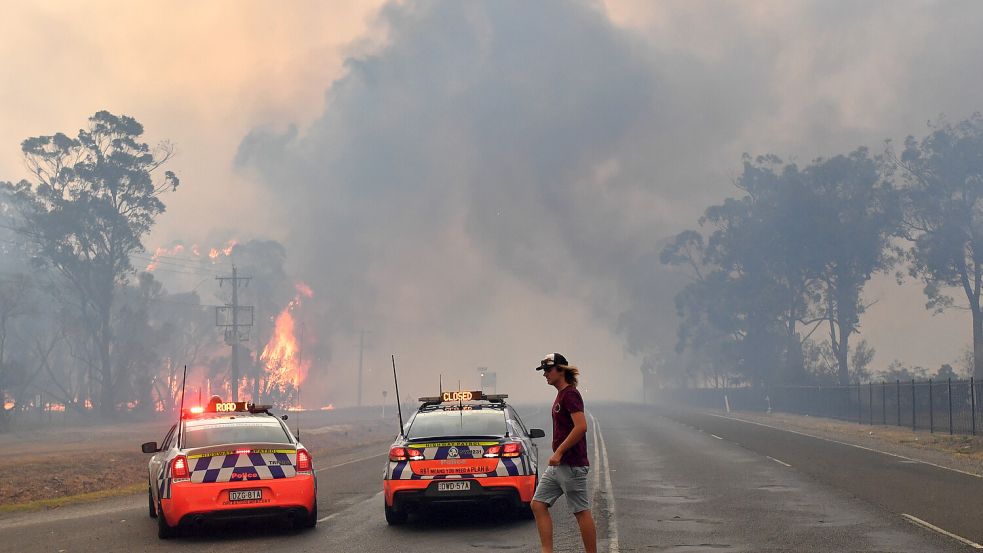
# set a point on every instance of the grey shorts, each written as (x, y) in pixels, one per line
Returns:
(564, 480)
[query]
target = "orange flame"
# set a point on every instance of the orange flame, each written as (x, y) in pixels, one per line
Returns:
(328, 407)
(195, 250)
(281, 356)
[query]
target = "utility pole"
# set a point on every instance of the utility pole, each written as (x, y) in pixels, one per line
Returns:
(223, 314)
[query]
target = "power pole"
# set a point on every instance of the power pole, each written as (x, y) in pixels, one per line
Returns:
(223, 314)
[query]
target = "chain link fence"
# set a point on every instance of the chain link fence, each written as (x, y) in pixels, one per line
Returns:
(951, 406)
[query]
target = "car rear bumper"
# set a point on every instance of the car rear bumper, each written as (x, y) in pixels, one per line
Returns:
(191, 502)
(403, 494)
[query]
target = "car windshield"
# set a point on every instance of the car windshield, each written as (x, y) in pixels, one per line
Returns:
(477, 422)
(238, 432)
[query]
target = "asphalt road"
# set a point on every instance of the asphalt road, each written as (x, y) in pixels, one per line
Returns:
(662, 481)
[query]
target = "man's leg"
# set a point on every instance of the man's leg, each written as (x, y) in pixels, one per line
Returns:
(587, 530)
(544, 523)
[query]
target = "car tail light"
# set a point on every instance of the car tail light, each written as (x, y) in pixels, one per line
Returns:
(179, 468)
(414, 454)
(397, 454)
(512, 449)
(303, 461)
(493, 451)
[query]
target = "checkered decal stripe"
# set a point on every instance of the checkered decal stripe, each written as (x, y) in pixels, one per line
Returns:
(506, 467)
(242, 466)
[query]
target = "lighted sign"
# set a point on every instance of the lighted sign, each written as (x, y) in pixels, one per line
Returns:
(230, 407)
(461, 396)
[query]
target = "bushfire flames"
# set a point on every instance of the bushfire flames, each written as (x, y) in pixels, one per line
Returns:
(282, 356)
(195, 250)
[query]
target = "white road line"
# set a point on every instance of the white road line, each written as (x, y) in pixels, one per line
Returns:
(597, 456)
(332, 515)
(613, 520)
(777, 461)
(716, 436)
(934, 528)
(895, 455)
(352, 461)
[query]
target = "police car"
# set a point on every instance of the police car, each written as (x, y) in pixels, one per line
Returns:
(229, 460)
(462, 446)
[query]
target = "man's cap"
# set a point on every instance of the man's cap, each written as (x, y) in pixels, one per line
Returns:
(551, 360)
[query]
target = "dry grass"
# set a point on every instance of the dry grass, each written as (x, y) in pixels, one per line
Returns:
(60, 466)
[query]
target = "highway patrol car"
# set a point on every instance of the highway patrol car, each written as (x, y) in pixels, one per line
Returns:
(226, 461)
(462, 447)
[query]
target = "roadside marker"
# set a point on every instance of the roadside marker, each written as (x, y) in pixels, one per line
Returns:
(934, 528)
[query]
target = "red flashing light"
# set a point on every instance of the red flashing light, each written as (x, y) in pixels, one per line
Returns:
(243, 451)
(197, 410)
(397, 454)
(179, 468)
(303, 461)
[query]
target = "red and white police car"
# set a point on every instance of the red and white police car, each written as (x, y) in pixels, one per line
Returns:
(463, 446)
(229, 460)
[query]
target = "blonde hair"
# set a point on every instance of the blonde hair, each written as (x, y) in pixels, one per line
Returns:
(570, 373)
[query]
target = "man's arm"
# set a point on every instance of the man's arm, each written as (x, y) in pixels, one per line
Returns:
(578, 432)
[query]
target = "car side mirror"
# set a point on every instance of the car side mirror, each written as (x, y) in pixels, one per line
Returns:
(536, 433)
(284, 417)
(149, 447)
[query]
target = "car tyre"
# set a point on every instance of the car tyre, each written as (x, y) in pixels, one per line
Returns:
(164, 531)
(394, 517)
(150, 503)
(310, 521)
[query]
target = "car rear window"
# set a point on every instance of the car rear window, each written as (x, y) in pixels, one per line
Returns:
(479, 422)
(238, 432)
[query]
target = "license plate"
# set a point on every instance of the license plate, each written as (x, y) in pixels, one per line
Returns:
(245, 495)
(462, 486)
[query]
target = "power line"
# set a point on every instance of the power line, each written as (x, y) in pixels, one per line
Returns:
(232, 335)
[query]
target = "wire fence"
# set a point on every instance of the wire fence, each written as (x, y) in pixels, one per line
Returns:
(951, 406)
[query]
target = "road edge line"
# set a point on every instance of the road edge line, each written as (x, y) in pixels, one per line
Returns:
(929, 526)
(780, 462)
(613, 542)
(929, 463)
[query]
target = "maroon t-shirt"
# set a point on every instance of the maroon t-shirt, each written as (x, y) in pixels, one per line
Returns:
(568, 401)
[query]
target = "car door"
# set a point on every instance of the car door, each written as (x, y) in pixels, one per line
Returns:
(159, 459)
(527, 443)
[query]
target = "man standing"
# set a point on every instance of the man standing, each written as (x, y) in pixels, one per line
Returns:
(568, 466)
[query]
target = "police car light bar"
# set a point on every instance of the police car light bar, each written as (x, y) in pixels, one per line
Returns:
(464, 395)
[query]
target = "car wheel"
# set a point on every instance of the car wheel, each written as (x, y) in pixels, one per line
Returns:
(310, 521)
(150, 503)
(164, 530)
(394, 517)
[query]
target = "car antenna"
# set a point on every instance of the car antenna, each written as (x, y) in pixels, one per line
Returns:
(298, 411)
(440, 384)
(399, 408)
(300, 363)
(184, 381)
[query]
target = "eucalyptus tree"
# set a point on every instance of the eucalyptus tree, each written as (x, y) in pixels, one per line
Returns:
(85, 210)
(854, 212)
(942, 176)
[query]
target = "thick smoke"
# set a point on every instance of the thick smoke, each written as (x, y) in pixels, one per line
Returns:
(496, 162)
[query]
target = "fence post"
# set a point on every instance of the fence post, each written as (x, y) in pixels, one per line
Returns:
(870, 402)
(860, 406)
(972, 395)
(931, 409)
(899, 401)
(950, 406)
(884, 402)
(914, 411)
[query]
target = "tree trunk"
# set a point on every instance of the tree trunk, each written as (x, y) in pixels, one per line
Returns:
(977, 344)
(107, 401)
